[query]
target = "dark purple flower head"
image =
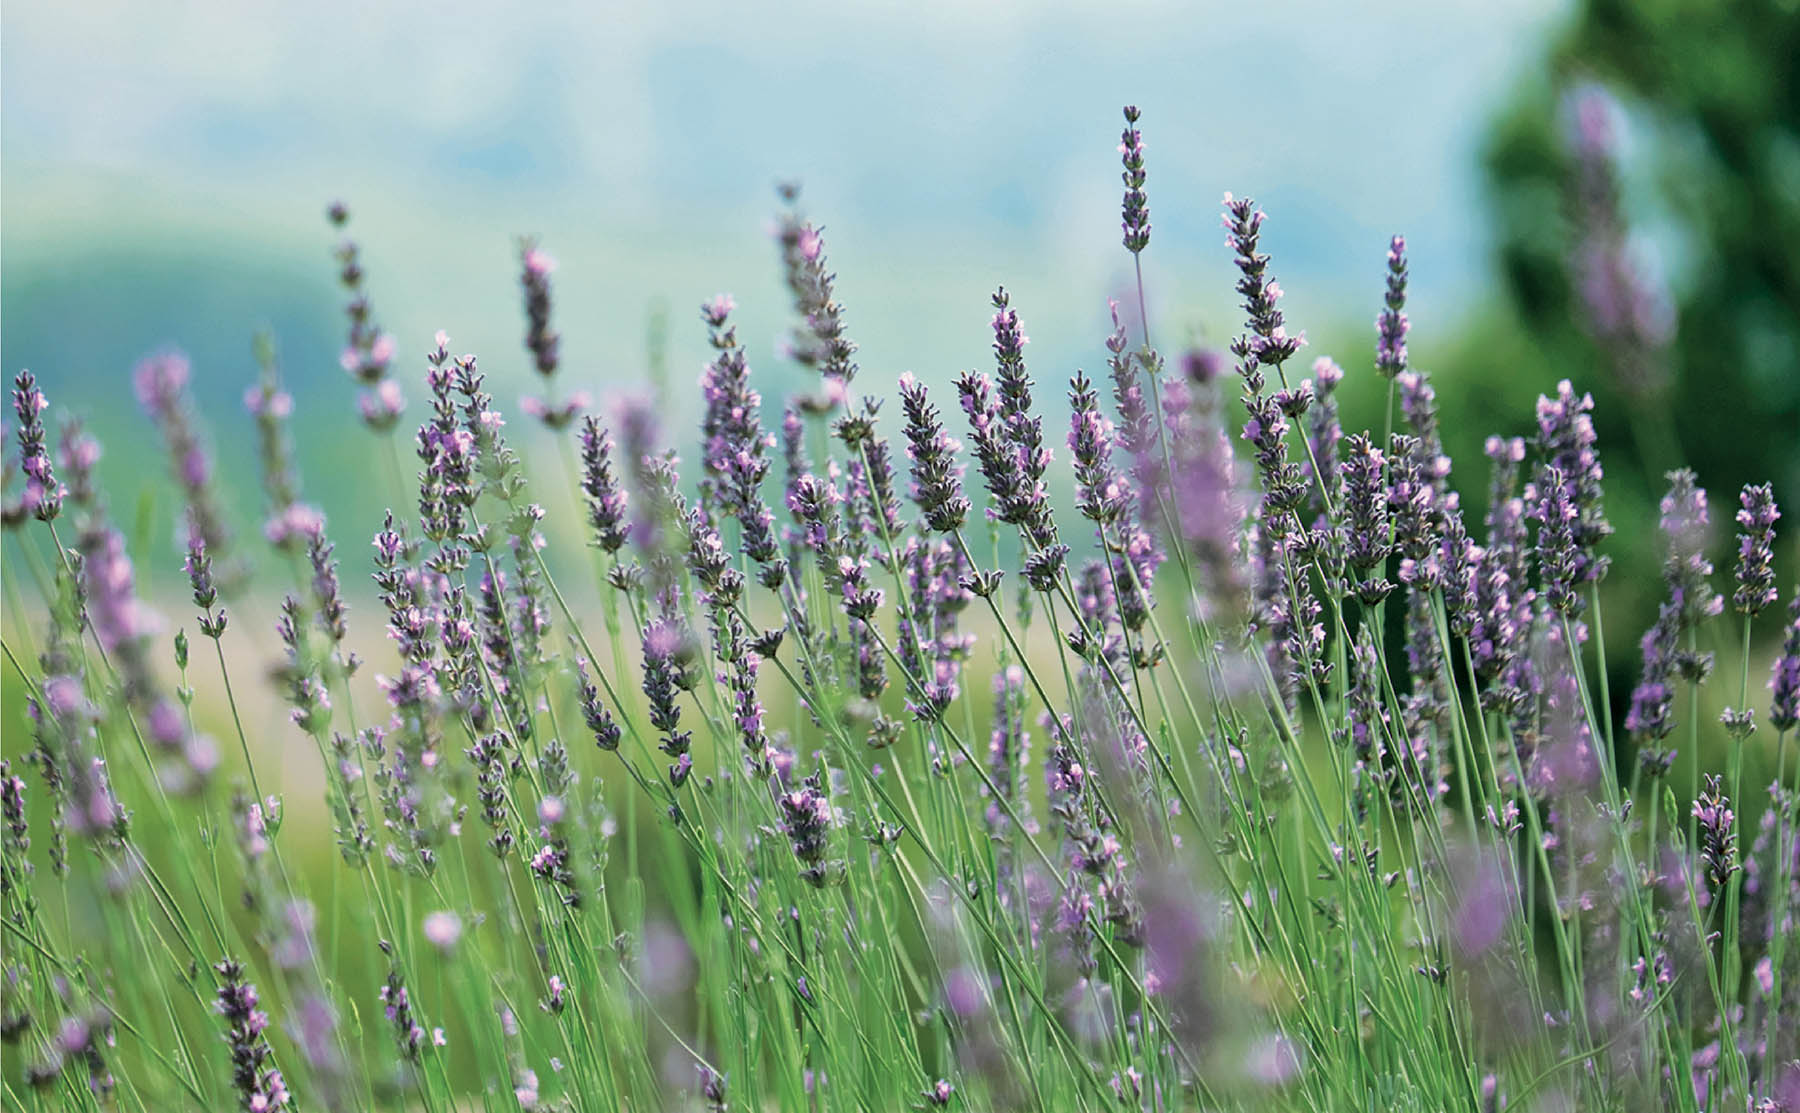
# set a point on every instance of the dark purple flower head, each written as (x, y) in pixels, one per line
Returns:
(1136, 207)
(1418, 405)
(1283, 482)
(1756, 516)
(1008, 437)
(42, 496)
(1411, 501)
(200, 577)
(874, 504)
(1457, 559)
(1100, 492)
(17, 836)
(595, 713)
(607, 500)
(1504, 597)
(1558, 550)
(735, 448)
(1269, 342)
(815, 504)
(327, 595)
(936, 476)
(1391, 325)
(409, 1035)
(668, 653)
(999, 465)
(807, 817)
(1366, 518)
(1718, 837)
(259, 1085)
(712, 1089)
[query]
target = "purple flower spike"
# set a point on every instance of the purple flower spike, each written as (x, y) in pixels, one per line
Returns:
(1136, 207)
(1566, 439)
(1366, 518)
(43, 496)
(1100, 492)
(259, 1085)
(1269, 343)
(1756, 549)
(1558, 551)
(936, 476)
(1391, 326)
(808, 817)
(734, 445)
(606, 498)
(1718, 838)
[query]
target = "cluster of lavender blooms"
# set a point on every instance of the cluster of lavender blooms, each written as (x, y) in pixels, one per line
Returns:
(788, 673)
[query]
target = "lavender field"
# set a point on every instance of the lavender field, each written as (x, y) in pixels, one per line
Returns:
(1210, 721)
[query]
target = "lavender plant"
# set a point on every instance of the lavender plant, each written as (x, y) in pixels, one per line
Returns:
(1282, 783)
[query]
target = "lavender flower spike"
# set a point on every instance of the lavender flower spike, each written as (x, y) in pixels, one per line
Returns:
(43, 496)
(1718, 837)
(1566, 439)
(1366, 519)
(1136, 207)
(1756, 549)
(936, 476)
(606, 498)
(1270, 343)
(1391, 326)
(259, 1085)
(808, 817)
(1559, 557)
(1100, 493)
